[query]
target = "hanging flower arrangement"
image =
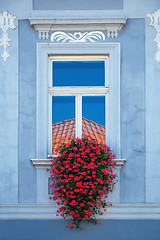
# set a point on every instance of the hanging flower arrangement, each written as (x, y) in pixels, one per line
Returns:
(82, 177)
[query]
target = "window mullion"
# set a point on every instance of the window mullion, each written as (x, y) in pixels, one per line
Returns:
(78, 111)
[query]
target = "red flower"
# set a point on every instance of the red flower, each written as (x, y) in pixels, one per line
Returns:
(81, 204)
(86, 212)
(77, 190)
(78, 184)
(82, 175)
(91, 155)
(71, 213)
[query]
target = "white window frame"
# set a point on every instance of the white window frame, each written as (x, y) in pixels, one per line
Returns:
(78, 92)
(44, 51)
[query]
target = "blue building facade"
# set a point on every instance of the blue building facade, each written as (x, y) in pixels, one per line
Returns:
(119, 33)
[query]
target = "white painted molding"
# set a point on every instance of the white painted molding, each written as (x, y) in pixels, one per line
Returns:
(46, 163)
(77, 37)
(6, 22)
(73, 91)
(112, 30)
(125, 211)
(43, 34)
(78, 116)
(155, 22)
(41, 163)
(119, 162)
(45, 25)
(45, 53)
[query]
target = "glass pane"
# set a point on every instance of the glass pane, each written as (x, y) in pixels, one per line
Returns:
(93, 117)
(63, 121)
(78, 73)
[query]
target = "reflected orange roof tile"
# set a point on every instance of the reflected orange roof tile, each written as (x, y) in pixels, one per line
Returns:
(63, 130)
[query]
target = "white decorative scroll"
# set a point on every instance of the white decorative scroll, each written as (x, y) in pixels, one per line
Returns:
(77, 37)
(6, 22)
(155, 22)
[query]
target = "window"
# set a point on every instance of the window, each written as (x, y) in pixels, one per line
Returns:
(78, 98)
(102, 53)
(85, 98)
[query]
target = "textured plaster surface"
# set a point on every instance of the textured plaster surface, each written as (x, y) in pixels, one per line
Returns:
(27, 112)
(140, 115)
(152, 118)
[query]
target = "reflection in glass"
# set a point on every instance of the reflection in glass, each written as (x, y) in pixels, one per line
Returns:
(63, 121)
(93, 121)
(78, 73)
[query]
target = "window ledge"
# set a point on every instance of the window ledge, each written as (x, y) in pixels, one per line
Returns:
(45, 163)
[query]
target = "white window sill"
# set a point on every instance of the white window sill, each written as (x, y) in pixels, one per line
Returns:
(46, 163)
(43, 176)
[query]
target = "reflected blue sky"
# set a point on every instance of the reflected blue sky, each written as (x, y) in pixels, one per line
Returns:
(63, 108)
(78, 73)
(93, 108)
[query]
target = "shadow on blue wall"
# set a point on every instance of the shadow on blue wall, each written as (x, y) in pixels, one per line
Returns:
(56, 230)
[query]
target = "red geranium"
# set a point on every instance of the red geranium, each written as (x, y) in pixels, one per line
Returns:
(82, 174)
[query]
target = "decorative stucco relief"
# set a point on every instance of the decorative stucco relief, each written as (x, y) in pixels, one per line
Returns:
(77, 37)
(155, 22)
(76, 30)
(6, 22)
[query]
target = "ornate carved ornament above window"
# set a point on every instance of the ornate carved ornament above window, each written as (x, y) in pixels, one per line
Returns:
(155, 22)
(6, 22)
(93, 28)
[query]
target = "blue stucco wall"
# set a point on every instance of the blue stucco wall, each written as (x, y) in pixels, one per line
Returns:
(132, 110)
(139, 80)
(56, 230)
(27, 112)
(140, 116)
(77, 5)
